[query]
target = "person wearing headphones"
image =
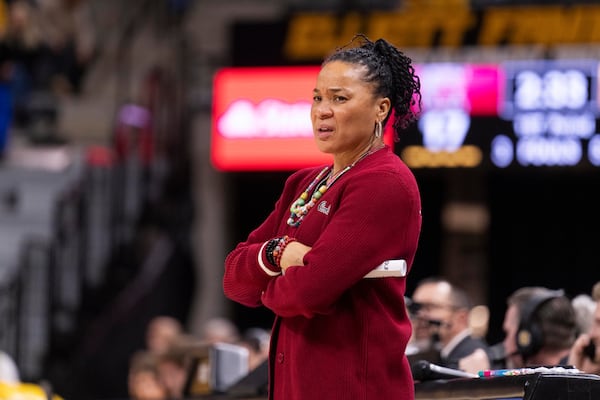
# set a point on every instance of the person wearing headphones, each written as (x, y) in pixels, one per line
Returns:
(539, 326)
(441, 316)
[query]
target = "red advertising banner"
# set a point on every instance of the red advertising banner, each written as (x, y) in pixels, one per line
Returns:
(261, 119)
(261, 115)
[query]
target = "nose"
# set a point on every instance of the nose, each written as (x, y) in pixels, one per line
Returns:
(323, 110)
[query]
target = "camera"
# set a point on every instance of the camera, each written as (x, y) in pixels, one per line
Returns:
(590, 351)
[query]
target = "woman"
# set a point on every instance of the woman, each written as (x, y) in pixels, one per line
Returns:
(337, 335)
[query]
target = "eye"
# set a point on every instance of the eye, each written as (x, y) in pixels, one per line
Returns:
(316, 98)
(339, 99)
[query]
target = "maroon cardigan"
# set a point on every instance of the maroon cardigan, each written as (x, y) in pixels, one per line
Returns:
(337, 336)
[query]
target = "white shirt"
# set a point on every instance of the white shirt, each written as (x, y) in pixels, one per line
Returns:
(8, 369)
(454, 342)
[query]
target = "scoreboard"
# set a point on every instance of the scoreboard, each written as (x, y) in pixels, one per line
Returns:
(516, 114)
(553, 108)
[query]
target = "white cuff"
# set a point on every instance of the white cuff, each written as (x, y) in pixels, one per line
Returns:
(262, 265)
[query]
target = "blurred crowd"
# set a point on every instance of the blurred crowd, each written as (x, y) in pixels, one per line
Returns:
(162, 369)
(542, 327)
(46, 47)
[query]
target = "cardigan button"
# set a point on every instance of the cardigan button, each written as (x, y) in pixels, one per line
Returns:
(280, 358)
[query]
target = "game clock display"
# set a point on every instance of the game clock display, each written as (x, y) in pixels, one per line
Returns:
(545, 115)
(516, 114)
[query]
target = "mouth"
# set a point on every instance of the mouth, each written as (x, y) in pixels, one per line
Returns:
(324, 131)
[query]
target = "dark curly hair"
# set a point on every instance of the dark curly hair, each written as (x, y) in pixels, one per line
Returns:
(392, 74)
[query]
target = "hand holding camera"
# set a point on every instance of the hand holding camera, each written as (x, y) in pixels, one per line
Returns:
(590, 351)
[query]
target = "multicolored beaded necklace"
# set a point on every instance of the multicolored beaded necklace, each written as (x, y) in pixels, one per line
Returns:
(322, 181)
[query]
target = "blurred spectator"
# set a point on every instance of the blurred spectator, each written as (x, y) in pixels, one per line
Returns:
(8, 369)
(144, 380)
(584, 307)
(584, 354)
(158, 371)
(163, 337)
(20, 51)
(421, 341)
(256, 340)
(133, 133)
(5, 108)
(162, 332)
(46, 46)
(219, 329)
(5, 77)
(70, 40)
(173, 366)
(540, 328)
(442, 316)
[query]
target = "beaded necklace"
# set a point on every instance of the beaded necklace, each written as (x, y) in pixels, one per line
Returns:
(321, 183)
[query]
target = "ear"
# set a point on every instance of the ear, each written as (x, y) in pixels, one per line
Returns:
(462, 315)
(383, 108)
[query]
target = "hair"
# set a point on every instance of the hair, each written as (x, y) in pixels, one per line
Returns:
(161, 331)
(143, 361)
(391, 73)
(584, 307)
(220, 329)
(555, 316)
(458, 297)
(257, 338)
(596, 291)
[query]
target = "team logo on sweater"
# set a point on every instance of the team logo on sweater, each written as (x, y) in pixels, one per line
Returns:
(323, 207)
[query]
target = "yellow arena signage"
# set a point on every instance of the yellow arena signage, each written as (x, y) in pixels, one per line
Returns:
(466, 156)
(312, 35)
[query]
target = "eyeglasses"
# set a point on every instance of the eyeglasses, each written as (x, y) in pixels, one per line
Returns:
(415, 307)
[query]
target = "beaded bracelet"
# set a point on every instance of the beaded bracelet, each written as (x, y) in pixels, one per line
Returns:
(274, 249)
(269, 248)
(280, 248)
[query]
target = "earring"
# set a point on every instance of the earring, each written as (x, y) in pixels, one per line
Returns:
(378, 130)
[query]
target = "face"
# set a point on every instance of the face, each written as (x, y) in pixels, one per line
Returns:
(510, 327)
(161, 333)
(595, 328)
(344, 109)
(434, 306)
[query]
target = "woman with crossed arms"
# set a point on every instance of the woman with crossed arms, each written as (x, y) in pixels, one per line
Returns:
(337, 335)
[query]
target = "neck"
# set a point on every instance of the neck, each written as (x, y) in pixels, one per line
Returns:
(548, 357)
(342, 161)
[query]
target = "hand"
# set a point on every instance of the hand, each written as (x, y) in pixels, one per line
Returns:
(476, 361)
(578, 358)
(293, 254)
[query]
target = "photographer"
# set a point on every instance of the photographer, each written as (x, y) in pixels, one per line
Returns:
(584, 354)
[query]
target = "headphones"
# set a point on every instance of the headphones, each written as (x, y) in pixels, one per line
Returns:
(530, 337)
